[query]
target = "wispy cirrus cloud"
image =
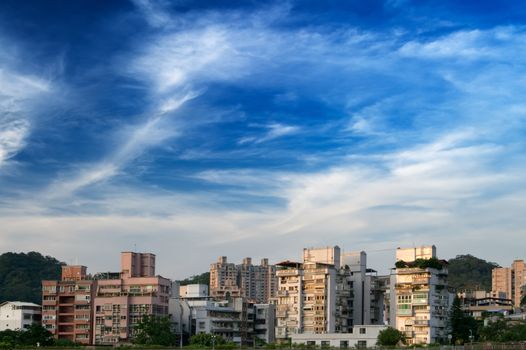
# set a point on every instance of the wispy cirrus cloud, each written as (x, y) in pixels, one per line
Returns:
(135, 141)
(274, 131)
(18, 94)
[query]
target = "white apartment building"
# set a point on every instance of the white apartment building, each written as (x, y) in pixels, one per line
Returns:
(19, 315)
(358, 337)
(421, 300)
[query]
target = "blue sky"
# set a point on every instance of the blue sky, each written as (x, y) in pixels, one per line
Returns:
(195, 129)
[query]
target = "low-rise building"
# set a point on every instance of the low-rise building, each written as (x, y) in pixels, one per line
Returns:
(481, 303)
(359, 337)
(238, 320)
(15, 315)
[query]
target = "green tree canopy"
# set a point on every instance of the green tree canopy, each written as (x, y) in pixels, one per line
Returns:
(469, 272)
(390, 337)
(462, 326)
(21, 275)
(28, 337)
(504, 331)
(203, 278)
(207, 340)
(155, 330)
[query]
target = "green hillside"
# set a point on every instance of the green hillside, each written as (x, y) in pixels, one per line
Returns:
(203, 278)
(21, 275)
(469, 272)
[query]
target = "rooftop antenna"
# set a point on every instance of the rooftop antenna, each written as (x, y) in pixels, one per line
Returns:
(134, 247)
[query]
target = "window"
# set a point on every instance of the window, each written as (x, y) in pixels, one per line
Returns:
(325, 344)
(344, 344)
(361, 344)
(363, 330)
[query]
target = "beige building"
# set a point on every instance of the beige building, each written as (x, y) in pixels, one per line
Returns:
(314, 296)
(122, 301)
(421, 299)
(510, 281)
(254, 282)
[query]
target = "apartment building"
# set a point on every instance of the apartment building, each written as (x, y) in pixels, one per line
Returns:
(329, 292)
(239, 320)
(510, 280)
(67, 310)
(313, 296)
(479, 302)
(256, 282)
(122, 300)
(421, 295)
(16, 315)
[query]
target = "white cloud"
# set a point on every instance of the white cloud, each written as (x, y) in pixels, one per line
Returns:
(153, 12)
(432, 193)
(274, 131)
(18, 92)
(135, 140)
(12, 138)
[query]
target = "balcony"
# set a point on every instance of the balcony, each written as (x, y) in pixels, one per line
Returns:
(404, 312)
(421, 323)
(283, 293)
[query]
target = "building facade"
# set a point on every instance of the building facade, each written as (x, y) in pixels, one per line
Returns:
(329, 292)
(120, 303)
(67, 310)
(17, 315)
(256, 282)
(358, 337)
(421, 296)
(510, 280)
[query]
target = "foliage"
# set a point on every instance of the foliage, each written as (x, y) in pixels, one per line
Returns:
(390, 337)
(65, 343)
(469, 272)
(21, 275)
(504, 331)
(28, 337)
(207, 340)
(523, 301)
(432, 263)
(155, 330)
(203, 278)
(462, 326)
(400, 264)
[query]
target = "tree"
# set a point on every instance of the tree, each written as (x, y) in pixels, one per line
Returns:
(390, 337)
(155, 330)
(502, 330)
(36, 334)
(523, 301)
(469, 272)
(21, 275)
(462, 326)
(207, 340)
(203, 278)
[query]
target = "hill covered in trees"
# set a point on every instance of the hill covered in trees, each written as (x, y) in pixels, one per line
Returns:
(21, 275)
(203, 278)
(469, 272)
